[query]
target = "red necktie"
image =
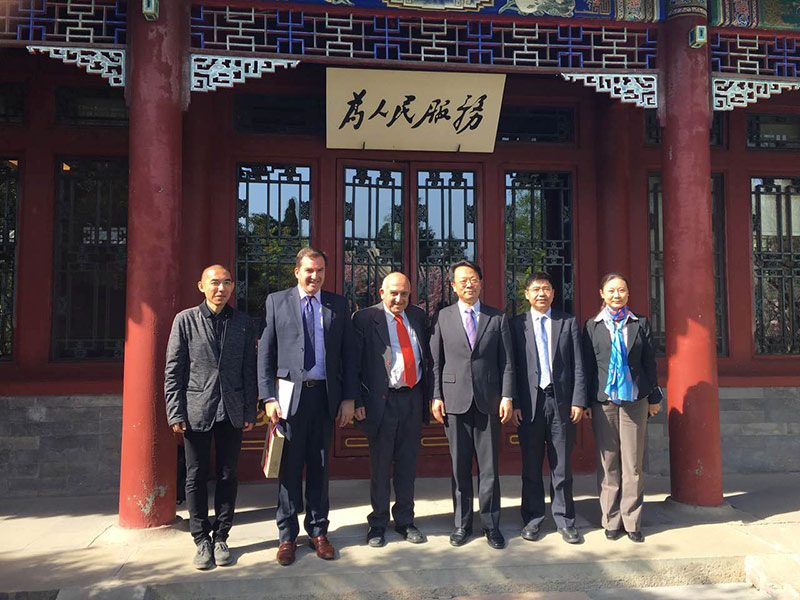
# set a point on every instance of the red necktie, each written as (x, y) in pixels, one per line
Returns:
(409, 362)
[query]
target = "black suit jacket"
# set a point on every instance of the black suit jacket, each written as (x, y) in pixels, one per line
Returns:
(280, 349)
(569, 384)
(195, 368)
(374, 359)
(485, 373)
(641, 358)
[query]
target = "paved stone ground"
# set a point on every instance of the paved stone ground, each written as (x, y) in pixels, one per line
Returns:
(73, 545)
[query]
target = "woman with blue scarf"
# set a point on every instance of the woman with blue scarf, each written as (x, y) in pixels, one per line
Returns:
(620, 366)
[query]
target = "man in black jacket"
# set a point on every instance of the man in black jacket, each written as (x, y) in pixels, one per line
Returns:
(550, 400)
(211, 390)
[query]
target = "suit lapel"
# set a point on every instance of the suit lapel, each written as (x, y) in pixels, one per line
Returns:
(633, 330)
(532, 353)
(295, 307)
(483, 323)
(327, 315)
(556, 323)
(381, 324)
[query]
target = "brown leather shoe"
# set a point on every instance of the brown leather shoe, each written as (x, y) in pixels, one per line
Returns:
(286, 553)
(323, 547)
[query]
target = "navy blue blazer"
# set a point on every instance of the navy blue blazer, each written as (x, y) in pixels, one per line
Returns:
(280, 349)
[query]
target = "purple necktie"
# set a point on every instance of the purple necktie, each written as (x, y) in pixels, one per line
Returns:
(470, 327)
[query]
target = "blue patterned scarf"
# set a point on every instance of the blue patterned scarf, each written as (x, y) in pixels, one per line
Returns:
(619, 385)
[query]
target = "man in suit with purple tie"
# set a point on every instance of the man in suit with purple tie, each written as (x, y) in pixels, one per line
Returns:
(473, 384)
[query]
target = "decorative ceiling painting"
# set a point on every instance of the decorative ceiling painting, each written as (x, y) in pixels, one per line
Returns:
(752, 14)
(638, 11)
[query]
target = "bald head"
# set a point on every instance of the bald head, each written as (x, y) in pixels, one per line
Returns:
(216, 284)
(395, 292)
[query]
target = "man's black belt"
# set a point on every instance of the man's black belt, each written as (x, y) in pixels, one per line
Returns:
(400, 390)
(548, 389)
(310, 383)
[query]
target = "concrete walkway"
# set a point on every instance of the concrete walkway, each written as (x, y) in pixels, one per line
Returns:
(74, 545)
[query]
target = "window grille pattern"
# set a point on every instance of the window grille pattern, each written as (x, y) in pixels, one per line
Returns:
(373, 231)
(776, 264)
(536, 124)
(286, 115)
(12, 103)
(90, 259)
(446, 218)
(65, 21)
(656, 228)
(9, 195)
(754, 54)
(99, 106)
(652, 129)
(322, 35)
(274, 223)
(538, 235)
(776, 132)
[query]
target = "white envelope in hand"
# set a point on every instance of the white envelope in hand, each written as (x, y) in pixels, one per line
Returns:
(285, 392)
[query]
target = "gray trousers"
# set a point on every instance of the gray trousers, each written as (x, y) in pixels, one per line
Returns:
(619, 432)
(474, 434)
(393, 451)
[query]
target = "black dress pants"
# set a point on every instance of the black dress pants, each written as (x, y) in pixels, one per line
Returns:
(197, 444)
(393, 451)
(309, 433)
(552, 429)
(474, 434)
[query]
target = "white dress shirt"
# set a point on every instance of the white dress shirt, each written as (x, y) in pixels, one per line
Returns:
(396, 379)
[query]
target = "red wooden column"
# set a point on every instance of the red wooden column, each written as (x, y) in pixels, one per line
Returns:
(148, 470)
(692, 388)
(613, 186)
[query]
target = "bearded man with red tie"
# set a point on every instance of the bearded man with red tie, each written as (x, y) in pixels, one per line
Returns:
(393, 366)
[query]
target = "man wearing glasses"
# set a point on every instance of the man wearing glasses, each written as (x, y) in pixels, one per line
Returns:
(473, 380)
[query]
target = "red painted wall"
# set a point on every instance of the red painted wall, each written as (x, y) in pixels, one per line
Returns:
(212, 151)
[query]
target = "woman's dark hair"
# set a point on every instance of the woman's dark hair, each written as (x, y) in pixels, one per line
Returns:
(609, 276)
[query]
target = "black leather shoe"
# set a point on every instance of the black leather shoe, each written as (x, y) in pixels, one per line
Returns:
(495, 538)
(569, 535)
(376, 537)
(410, 533)
(460, 536)
(530, 532)
(636, 536)
(614, 534)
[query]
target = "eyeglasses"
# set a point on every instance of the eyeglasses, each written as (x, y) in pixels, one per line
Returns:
(546, 289)
(472, 281)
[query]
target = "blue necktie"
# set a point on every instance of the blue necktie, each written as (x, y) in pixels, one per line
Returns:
(542, 347)
(309, 355)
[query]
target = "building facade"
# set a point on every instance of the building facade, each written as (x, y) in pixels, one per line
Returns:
(656, 139)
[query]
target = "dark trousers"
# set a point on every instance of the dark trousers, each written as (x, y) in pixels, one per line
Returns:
(309, 433)
(474, 434)
(197, 445)
(551, 428)
(395, 443)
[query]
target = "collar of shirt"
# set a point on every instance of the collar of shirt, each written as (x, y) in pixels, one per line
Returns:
(601, 316)
(537, 316)
(390, 316)
(317, 296)
(209, 314)
(462, 307)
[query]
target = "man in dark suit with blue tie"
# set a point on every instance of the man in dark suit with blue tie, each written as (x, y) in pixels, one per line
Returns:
(393, 363)
(473, 384)
(550, 400)
(308, 341)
